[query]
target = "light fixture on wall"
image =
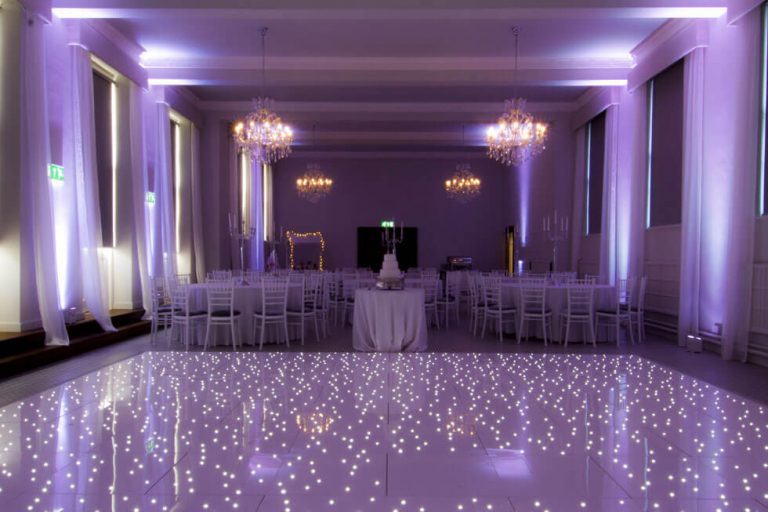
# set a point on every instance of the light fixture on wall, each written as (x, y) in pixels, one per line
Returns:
(463, 186)
(262, 132)
(313, 185)
(517, 135)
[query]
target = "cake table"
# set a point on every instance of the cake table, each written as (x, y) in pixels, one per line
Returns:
(389, 321)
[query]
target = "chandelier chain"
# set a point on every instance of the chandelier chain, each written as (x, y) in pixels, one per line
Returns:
(264, 31)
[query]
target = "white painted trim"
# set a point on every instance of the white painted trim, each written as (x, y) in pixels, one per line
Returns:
(123, 43)
(595, 104)
(379, 107)
(502, 64)
(737, 9)
(670, 43)
(20, 327)
(277, 10)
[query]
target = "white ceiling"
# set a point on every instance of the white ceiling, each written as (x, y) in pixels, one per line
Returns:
(337, 59)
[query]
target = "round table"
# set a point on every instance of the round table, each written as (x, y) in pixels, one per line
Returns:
(389, 321)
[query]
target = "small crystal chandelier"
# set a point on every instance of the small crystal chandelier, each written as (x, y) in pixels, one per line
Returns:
(313, 185)
(516, 136)
(463, 186)
(262, 132)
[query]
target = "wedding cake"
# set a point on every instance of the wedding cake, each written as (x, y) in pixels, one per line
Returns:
(390, 269)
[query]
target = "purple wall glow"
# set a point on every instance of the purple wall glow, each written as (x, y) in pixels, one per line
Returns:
(367, 190)
(540, 186)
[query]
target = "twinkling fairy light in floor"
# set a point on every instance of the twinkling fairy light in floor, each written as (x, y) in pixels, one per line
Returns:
(381, 432)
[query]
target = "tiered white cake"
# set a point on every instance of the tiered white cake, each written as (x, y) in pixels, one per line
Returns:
(390, 269)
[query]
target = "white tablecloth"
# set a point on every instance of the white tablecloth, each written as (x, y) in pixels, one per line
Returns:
(557, 301)
(389, 321)
(247, 301)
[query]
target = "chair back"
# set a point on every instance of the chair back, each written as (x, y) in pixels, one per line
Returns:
(180, 295)
(492, 292)
(349, 286)
(179, 279)
(160, 292)
(429, 274)
(581, 299)
(221, 296)
(533, 294)
(430, 287)
(624, 292)
(639, 304)
(274, 296)
(219, 276)
(313, 289)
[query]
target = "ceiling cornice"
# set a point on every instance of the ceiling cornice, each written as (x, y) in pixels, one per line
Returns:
(282, 10)
(384, 63)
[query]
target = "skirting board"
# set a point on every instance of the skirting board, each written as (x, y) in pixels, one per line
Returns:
(29, 325)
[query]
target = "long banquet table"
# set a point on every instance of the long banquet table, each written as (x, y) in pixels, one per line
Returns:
(389, 321)
(247, 302)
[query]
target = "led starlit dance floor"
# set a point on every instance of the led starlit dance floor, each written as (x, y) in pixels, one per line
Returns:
(379, 432)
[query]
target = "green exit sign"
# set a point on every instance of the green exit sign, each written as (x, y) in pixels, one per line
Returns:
(388, 224)
(150, 198)
(55, 172)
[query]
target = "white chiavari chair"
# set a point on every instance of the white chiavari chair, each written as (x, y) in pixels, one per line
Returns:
(219, 276)
(349, 287)
(579, 310)
(497, 311)
(183, 316)
(307, 309)
(162, 308)
(335, 297)
(449, 299)
(637, 309)
(476, 302)
(430, 287)
(221, 309)
(273, 310)
(619, 313)
(533, 308)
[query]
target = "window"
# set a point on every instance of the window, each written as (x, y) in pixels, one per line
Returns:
(762, 186)
(594, 174)
(176, 178)
(665, 147)
(104, 96)
(267, 204)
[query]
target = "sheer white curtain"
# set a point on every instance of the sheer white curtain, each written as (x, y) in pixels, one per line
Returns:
(256, 196)
(197, 206)
(743, 77)
(35, 156)
(92, 264)
(608, 222)
(139, 190)
(690, 247)
(165, 220)
(638, 169)
(577, 227)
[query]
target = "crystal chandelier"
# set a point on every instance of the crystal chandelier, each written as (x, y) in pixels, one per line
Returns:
(463, 186)
(313, 185)
(262, 132)
(516, 136)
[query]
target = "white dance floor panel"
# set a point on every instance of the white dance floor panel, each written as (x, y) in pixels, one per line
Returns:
(384, 432)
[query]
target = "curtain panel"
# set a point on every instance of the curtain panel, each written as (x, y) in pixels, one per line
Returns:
(93, 256)
(35, 155)
(690, 232)
(577, 227)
